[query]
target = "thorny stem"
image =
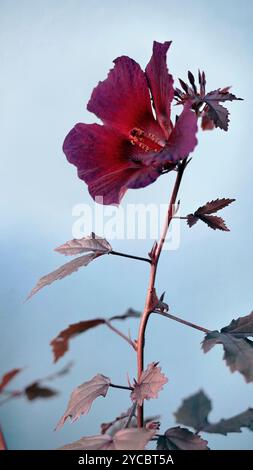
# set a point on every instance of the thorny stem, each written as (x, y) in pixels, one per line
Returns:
(180, 320)
(124, 255)
(123, 387)
(119, 333)
(151, 287)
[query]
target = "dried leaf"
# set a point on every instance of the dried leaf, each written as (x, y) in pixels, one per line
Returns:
(234, 424)
(63, 271)
(84, 245)
(35, 390)
(150, 383)
(8, 377)
(194, 411)
(178, 438)
(203, 213)
(60, 344)
(125, 439)
(83, 396)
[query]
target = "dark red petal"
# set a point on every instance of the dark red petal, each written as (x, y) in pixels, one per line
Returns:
(183, 139)
(161, 84)
(102, 156)
(122, 100)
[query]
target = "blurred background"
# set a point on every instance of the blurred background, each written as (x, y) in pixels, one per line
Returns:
(53, 53)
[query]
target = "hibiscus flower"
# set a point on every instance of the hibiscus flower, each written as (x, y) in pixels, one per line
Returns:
(137, 141)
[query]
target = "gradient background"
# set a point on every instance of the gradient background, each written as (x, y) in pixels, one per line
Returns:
(52, 55)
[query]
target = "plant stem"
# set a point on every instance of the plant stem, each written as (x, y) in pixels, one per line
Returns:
(131, 415)
(123, 387)
(124, 255)
(180, 320)
(3, 445)
(119, 333)
(151, 287)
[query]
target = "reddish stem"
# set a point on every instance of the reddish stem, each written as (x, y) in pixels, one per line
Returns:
(3, 445)
(150, 292)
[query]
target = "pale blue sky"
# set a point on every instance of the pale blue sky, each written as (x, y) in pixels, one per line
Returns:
(52, 55)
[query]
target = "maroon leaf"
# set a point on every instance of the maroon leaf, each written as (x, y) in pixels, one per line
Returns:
(8, 377)
(83, 396)
(213, 206)
(234, 424)
(214, 222)
(150, 383)
(238, 350)
(125, 439)
(60, 344)
(35, 391)
(63, 271)
(84, 245)
(194, 411)
(203, 213)
(178, 438)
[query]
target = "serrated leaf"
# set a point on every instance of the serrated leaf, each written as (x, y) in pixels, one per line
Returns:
(213, 206)
(8, 377)
(35, 390)
(83, 396)
(238, 352)
(194, 411)
(60, 344)
(214, 222)
(63, 271)
(149, 385)
(125, 439)
(203, 213)
(91, 243)
(178, 438)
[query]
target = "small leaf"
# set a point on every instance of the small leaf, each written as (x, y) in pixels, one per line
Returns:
(60, 344)
(178, 438)
(192, 81)
(8, 377)
(194, 411)
(214, 222)
(213, 206)
(234, 424)
(150, 383)
(203, 213)
(85, 245)
(83, 396)
(63, 271)
(35, 391)
(122, 417)
(125, 439)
